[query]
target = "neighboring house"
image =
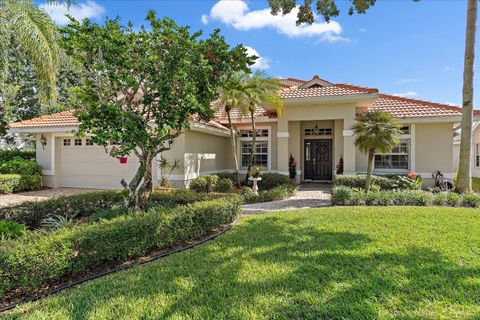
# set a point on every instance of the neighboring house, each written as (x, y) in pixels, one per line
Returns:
(475, 150)
(315, 128)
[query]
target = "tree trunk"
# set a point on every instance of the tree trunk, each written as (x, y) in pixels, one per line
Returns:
(254, 144)
(368, 181)
(234, 149)
(464, 179)
(147, 185)
(137, 197)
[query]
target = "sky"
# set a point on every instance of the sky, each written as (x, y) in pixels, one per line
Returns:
(412, 49)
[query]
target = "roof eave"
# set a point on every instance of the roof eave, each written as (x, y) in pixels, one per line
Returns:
(46, 129)
(435, 119)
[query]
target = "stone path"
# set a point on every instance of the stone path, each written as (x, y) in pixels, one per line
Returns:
(38, 195)
(309, 195)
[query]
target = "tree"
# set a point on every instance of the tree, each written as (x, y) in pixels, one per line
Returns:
(375, 132)
(260, 90)
(37, 35)
(20, 97)
(232, 96)
(141, 88)
(464, 178)
(328, 9)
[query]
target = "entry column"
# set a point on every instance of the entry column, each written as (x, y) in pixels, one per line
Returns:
(282, 146)
(348, 148)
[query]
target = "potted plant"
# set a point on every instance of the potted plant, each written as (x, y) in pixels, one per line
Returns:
(292, 168)
(121, 158)
(340, 166)
(255, 176)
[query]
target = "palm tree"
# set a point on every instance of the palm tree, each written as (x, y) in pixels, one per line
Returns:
(464, 178)
(260, 90)
(233, 97)
(375, 132)
(30, 27)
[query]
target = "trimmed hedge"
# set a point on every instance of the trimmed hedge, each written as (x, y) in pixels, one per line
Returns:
(278, 193)
(273, 180)
(9, 154)
(344, 196)
(81, 205)
(20, 166)
(180, 197)
(204, 183)
(358, 181)
(10, 183)
(29, 261)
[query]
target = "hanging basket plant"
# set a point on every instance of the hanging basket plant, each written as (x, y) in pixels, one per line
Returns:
(121, 159)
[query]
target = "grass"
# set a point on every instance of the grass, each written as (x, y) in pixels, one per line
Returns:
(327, 263)
(476, 184)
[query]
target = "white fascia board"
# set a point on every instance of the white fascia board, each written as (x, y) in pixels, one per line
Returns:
(199, 127)
(454, 119)
(257, 120)
(67, 129)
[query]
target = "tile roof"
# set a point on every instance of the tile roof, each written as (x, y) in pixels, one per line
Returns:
(291, 82)
(68, 119)
(412, 108)
(335, 90)
(60, 119)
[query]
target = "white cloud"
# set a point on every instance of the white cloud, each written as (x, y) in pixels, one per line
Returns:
(89, 9)
(448, 68)
(406, 94)
(204, 19)
(236, 13)
(261, 63)
(411, 80)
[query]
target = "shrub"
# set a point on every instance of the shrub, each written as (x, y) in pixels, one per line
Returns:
(358, 181)
(204, 183)
(11, 229)
(228, 175)
(342, 195)
(471, 200)
(278, 193)
(180, 197)
(81, 205)
(20, 166)
(272, 180)
(164, 182)
(10, 183)
(31, 260)
(255, 171)
(439, 199)
(346, 196)
(224, 185)
(453, 199)
(9, 154)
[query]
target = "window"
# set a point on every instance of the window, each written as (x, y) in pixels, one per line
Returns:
(396, 159)
(477, 155)
(88, 142)
(318, 132)
(260, 155)
(66, 142)
(261, 152)
(77, 142)
(249, 133)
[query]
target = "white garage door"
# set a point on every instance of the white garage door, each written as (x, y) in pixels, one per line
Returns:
(87, 166)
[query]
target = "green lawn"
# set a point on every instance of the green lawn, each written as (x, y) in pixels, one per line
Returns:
(330, 263)
(476, 184)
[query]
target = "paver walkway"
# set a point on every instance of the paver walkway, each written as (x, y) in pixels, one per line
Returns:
(38, 195)
(309, 195)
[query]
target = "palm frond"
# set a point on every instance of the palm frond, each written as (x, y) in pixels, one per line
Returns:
(35, 31)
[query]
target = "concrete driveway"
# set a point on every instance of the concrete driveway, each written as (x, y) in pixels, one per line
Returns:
(8, 200)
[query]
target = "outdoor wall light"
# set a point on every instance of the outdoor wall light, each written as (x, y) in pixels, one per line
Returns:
(43, 141)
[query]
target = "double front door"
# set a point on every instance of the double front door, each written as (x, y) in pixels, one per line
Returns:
(318, 160)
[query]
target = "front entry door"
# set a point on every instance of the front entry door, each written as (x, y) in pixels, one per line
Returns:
(318, 159)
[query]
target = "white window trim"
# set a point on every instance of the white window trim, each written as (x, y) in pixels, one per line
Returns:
(268, 139)
(411, 154)
(477, 155)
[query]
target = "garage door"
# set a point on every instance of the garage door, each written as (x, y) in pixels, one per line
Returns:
(83, 165)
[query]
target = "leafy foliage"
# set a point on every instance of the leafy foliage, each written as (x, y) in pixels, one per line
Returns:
(280, 192)
(20, 166)
(11, 229)
(24, 24)
(57, 221)
(31, 260)
(205, 183)
(142, 88)
(9, 154)
(224, 185)
(10, 183)
(325, 8)
(271, 180)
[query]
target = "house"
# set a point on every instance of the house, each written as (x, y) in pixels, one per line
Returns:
(475, 151)
(315, 128)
